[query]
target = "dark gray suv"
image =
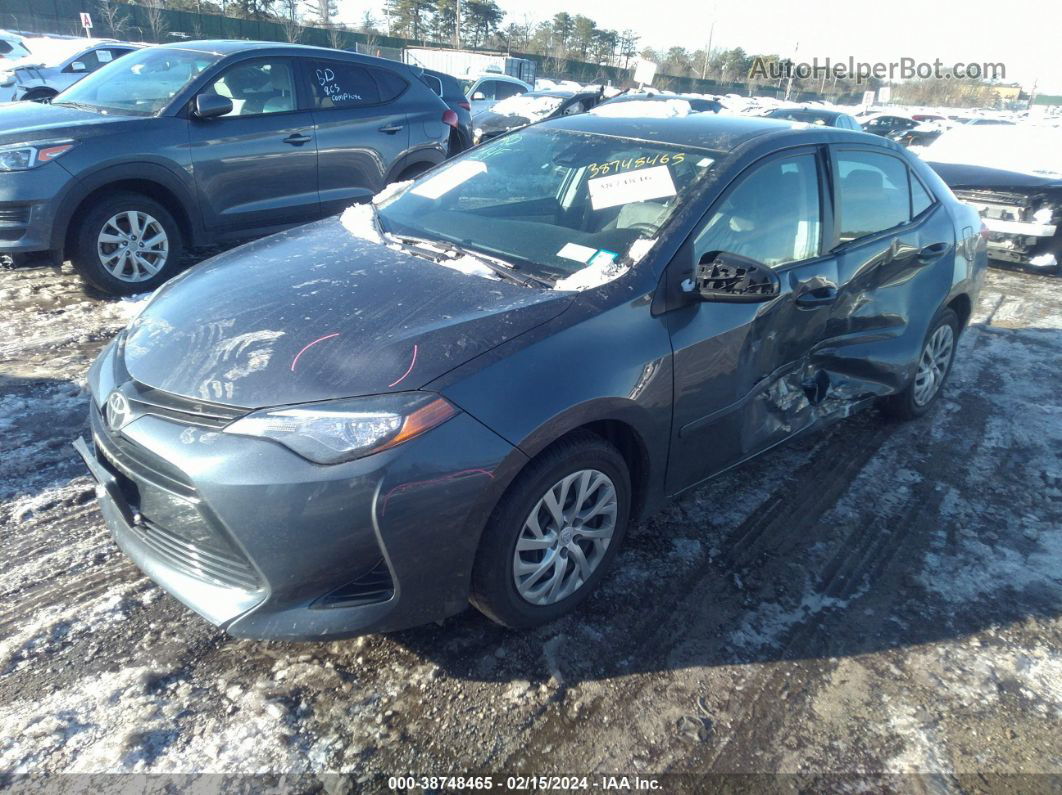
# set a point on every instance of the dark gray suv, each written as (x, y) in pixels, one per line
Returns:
(191, 144)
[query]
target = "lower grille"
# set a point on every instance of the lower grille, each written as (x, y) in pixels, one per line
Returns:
(14, 215)
(206, 562)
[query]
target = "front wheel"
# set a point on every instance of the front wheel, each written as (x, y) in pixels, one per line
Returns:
(554, 534)
(126, 244)
(934, 366)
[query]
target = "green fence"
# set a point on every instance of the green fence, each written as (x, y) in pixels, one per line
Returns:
(140, 23)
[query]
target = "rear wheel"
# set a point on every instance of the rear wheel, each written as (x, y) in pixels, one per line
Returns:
(127, 243)
(554, 534)
(934, 366)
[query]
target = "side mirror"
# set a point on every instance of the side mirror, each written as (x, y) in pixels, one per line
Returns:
(722, 276)
(78, 66)
(210, 106)
(479, 95)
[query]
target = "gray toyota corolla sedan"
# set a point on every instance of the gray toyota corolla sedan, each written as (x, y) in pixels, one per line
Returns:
(469, 390)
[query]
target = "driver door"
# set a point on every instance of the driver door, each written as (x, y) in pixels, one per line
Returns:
(742, 379)
(256, 167)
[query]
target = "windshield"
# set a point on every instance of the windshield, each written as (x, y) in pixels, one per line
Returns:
(143, 82)
(551, 201)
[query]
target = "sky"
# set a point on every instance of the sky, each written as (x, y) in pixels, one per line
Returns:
(1022, 34)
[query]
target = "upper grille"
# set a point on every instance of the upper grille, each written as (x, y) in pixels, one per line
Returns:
(148, 400)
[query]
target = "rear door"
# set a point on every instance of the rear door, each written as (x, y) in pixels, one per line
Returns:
(257, 166)
(362, 127)
(895, 246)
(742, 378)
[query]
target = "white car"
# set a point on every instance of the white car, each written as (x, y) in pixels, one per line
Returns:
(54, 65)
(11, 46)
(484, 91)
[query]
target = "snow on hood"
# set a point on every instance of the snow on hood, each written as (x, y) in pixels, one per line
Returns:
(532, 108)
(360, 221)
(644, 109)
(1019, 148)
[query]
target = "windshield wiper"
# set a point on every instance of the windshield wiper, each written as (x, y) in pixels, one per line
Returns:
(504, 269)
(78, 105)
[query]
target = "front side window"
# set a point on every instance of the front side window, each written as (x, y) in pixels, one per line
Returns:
(773, 215)
(872, 193)
(88, 60)
(143, 82)
(257, 87)
(552, 201)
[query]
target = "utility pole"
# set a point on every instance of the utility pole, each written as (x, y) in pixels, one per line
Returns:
(789, 85)
(457, 26)
(707, 51)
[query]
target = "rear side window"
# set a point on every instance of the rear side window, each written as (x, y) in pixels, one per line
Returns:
(872, 193)
(772, 216)
(335, 84)
(390, 84)
(434, 83)
(920, 198)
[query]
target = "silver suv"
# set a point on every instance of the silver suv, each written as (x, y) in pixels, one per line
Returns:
(55, 64)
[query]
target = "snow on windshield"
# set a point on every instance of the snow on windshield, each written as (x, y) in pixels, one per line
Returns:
(533, 108)
(644, 109)
(1021, 148)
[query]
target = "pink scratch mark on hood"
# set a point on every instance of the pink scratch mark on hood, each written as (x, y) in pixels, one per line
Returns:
(405, 375)
(295, 361)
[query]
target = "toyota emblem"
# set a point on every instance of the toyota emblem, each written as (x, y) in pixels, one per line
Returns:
(118, 411)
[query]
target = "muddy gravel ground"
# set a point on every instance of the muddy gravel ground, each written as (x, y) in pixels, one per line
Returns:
(876, 599)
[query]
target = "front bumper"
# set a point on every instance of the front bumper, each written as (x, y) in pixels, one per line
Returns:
(28, 202)
(267, 545)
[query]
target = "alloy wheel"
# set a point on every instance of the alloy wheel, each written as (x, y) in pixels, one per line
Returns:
(133, 246)
(933, 366)
(565, 537)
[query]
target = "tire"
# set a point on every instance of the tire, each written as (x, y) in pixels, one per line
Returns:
(913, 401)
(495, 590)
(111, 217)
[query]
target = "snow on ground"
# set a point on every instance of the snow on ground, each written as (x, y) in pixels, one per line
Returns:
(875, 597)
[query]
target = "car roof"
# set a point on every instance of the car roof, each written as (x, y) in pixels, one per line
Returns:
(709, 131)
(232, 46)
(657, 97)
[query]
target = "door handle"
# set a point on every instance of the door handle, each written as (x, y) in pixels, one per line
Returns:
(933, 251)
(817, 296)
(297, 139)
(391, 129)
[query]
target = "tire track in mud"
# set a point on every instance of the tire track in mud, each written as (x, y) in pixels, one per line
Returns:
(786, 518)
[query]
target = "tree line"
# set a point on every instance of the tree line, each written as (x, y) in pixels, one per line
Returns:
(561, 39)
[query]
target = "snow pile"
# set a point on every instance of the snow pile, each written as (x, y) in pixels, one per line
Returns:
(1021, 148)
(469, 265)
(533, 108)
(644, 109)
(360, 221)
(602, 271)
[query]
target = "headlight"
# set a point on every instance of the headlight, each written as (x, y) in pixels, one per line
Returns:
(21, 157)
(477, 134)
(327, 433)
(1044, 215)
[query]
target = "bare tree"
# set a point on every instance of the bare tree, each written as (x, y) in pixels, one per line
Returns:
(336, 37)
(292, 30)
(113, 16)
(156, 19)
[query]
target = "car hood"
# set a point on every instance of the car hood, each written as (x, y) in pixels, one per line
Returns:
(315, 314)
(958, 175)
(34, 121)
